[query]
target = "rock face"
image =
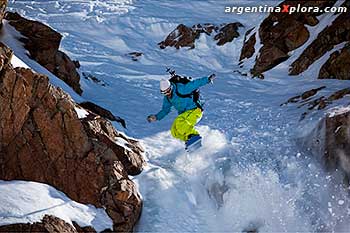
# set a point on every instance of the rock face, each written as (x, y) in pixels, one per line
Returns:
(43, 43)
(281, 33)
(42, 139)
(248, 49)
(336, 33)
(49, 224)
(184, 36)
(337, 137)
(330, 141)
(227, 33)
(337, 66)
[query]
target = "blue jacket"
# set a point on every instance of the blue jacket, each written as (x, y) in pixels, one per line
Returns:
(181, 104)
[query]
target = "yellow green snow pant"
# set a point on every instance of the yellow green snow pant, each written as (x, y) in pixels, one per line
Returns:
(184, 123)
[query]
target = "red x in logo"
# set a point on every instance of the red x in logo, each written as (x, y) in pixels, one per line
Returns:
(285, 8)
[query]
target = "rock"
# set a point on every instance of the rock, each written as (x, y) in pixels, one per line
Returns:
(248, 49)
(135, 56)
(91, 77)
(317, 103)
(76, 63)
(329, 141)
(42, 42)
(269, 57)
(87, 229)
(102, 112)
(304, 96)
(336, 33)
(281, 33)
(310, 93)
(43, 140)
(49, 224)
(3, 5)
(337, 66)
(184, 36)
(227, 33)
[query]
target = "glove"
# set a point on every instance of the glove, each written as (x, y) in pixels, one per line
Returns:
(151, 118)
(211, 78)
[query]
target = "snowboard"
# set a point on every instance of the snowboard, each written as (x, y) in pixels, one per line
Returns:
(193, 143)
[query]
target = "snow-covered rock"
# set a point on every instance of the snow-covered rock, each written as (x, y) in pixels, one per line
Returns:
(42, 43)
(282, 34)
(43, 139)
(329, 141)
(184, 36)
(336, 33)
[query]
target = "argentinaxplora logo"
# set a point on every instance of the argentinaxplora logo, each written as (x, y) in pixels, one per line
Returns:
(287, 9)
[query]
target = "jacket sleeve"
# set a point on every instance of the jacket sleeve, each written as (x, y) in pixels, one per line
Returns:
(193, 85)
(165, 109)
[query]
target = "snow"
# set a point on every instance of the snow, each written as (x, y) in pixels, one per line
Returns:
(338, 111)
(251, 172)
(82, 113)
(23, 201)
(16, 62)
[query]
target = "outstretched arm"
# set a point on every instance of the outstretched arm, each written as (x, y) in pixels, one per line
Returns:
(165, 109)
(193, 85)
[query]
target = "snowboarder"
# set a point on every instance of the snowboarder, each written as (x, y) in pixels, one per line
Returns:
(181, 96)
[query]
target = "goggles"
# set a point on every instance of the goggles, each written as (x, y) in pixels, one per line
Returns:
(167, 91)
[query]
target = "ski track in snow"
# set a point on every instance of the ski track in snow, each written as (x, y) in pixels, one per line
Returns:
(250, 173)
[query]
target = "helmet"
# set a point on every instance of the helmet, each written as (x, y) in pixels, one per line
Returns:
(164, 85)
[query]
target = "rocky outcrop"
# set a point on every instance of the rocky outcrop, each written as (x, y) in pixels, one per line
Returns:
(42, 139)
(329, 141)
(304, 96)
(281, 33)
(42, 43)
(337, 137)
(336, 33)
(317, 103)
(227, 33)
(102, 112)
(184, 36)
(3, 4)
(248, 49)
(49, 224)
(338, 65)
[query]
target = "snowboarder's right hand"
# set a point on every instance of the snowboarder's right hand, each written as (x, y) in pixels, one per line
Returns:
(211, 78)
(151, 118)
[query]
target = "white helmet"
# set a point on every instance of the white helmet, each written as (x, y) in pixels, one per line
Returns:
(164, 85)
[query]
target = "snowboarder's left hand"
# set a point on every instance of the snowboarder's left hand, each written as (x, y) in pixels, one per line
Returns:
(211, 78)
(151, 118)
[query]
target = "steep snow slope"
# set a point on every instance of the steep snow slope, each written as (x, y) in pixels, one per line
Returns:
(250, 173)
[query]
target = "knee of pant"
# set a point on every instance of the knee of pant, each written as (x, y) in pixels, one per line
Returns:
(184, 127)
